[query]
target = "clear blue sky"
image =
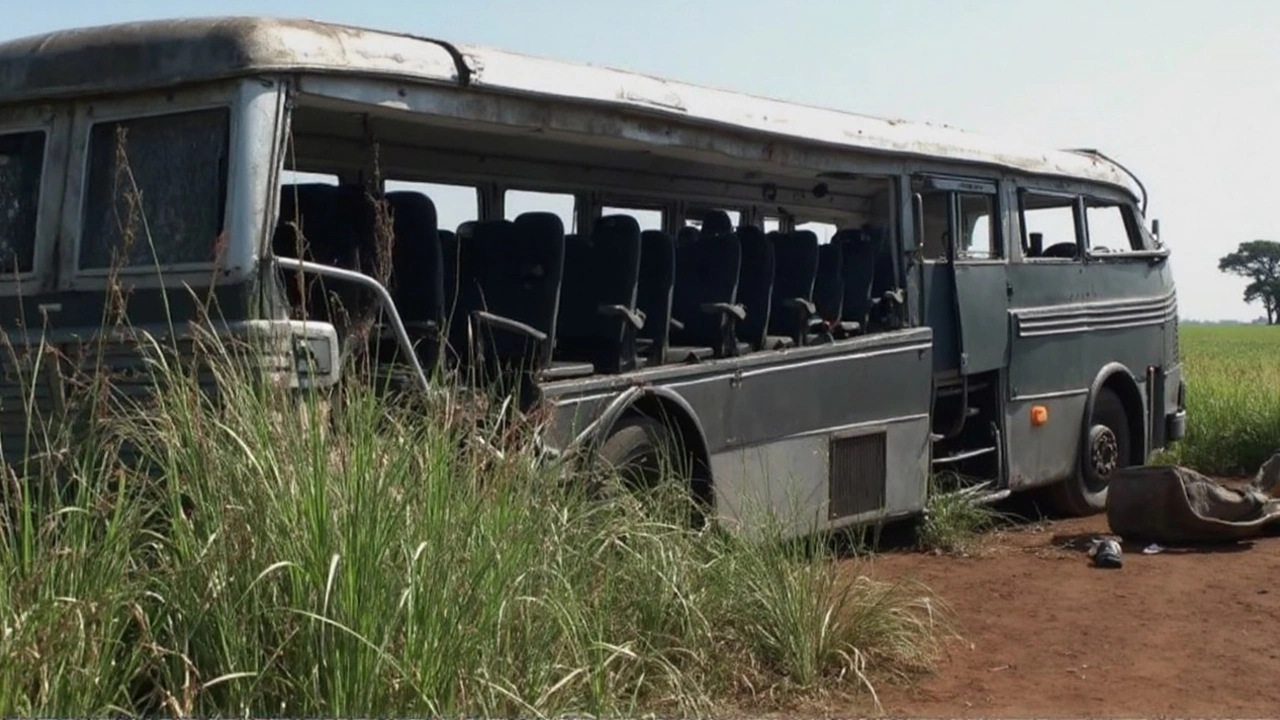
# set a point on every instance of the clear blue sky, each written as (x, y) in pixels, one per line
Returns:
(1185, 93)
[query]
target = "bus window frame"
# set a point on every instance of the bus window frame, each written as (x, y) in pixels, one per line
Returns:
(1133, 228)
(1024, 237)
(250, 134)
(56, 127)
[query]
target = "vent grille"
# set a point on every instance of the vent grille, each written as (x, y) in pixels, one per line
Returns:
(856, 483)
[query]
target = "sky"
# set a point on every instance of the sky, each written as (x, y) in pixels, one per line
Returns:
(1183, 93)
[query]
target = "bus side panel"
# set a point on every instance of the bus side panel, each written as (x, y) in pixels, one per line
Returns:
(794, 481)
(1067, 321)
(1044, 454)
(773, 420)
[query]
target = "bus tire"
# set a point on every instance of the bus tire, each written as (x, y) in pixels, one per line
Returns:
(635, 449)
(645, 452)
(1107, 447)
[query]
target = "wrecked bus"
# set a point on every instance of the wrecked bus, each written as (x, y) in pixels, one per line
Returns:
(804, 303)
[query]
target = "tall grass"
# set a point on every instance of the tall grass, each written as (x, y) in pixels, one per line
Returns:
(264, 550)
(1233, 398)
(275, 558)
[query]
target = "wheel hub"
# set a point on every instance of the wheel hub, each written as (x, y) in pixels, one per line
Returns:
(1104, 451)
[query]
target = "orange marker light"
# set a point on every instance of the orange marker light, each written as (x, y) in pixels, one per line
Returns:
(1039, 415)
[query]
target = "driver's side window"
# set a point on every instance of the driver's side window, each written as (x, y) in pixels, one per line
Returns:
(1049, 226)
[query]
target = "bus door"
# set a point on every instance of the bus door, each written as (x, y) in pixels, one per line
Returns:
(967, 291)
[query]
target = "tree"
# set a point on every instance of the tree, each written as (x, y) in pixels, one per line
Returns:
(1259, 261)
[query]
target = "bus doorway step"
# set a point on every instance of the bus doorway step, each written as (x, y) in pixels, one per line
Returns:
(962, 456)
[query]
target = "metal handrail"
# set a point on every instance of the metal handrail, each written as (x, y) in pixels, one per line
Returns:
(384, 297)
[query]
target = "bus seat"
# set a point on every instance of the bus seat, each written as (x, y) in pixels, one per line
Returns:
(705, 298)
(464, 259)
(795, 270)
(598, 322)
(654, 293)
(687, 234)
(313, 207)
(521, 269)
(828, 293)
(717, 222)
(859, 262)
(417, 278)
(755, 286)
(448, 273)
(885, 294)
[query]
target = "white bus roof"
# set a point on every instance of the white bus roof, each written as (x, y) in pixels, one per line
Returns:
(163, 53)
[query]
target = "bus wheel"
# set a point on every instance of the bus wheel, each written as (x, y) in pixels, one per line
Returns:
(646, 453)
(1107, 448)
(637, 450)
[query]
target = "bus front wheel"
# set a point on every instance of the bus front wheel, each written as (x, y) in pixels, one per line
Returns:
(1106, 448)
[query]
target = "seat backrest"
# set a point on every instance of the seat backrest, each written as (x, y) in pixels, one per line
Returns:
(309, 228)
(828, 286)
(521, 272)
(795, 270)
(717, 222)
(448, 271)
(883, 279)
(656, 282)
(706, 272)
(417, 273)
(467, 265)
(600, 270)
(687, 234)
(859, 255)
(755, 285)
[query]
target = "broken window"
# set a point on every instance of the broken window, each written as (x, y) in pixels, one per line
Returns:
(156, 190)
(21, 167)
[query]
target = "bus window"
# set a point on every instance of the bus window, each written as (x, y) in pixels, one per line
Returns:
(934, 234)
(1108, 229)
(824, 231)
(648, 218)
(735, 218)
(772, 224)
(978, 237)
(516, 202)
(1049, 226)
(455, 204)
(21, 169)
(178, 172)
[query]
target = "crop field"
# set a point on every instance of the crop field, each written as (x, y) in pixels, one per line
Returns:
(1233, 398)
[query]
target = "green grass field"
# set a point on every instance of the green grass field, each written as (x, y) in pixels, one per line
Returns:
(1233, 398)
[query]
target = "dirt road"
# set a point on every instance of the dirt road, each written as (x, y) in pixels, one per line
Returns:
(1187, 633)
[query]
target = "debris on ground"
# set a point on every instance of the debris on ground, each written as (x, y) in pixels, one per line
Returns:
(1172, 505)
(1106, 553)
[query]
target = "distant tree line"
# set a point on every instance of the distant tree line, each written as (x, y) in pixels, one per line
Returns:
(1259, 262)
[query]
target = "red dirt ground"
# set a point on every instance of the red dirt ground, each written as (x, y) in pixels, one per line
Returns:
(1045, 634)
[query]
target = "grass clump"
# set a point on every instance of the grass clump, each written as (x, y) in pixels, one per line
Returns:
(1233, 399)
(954, 519)
(285, 552)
